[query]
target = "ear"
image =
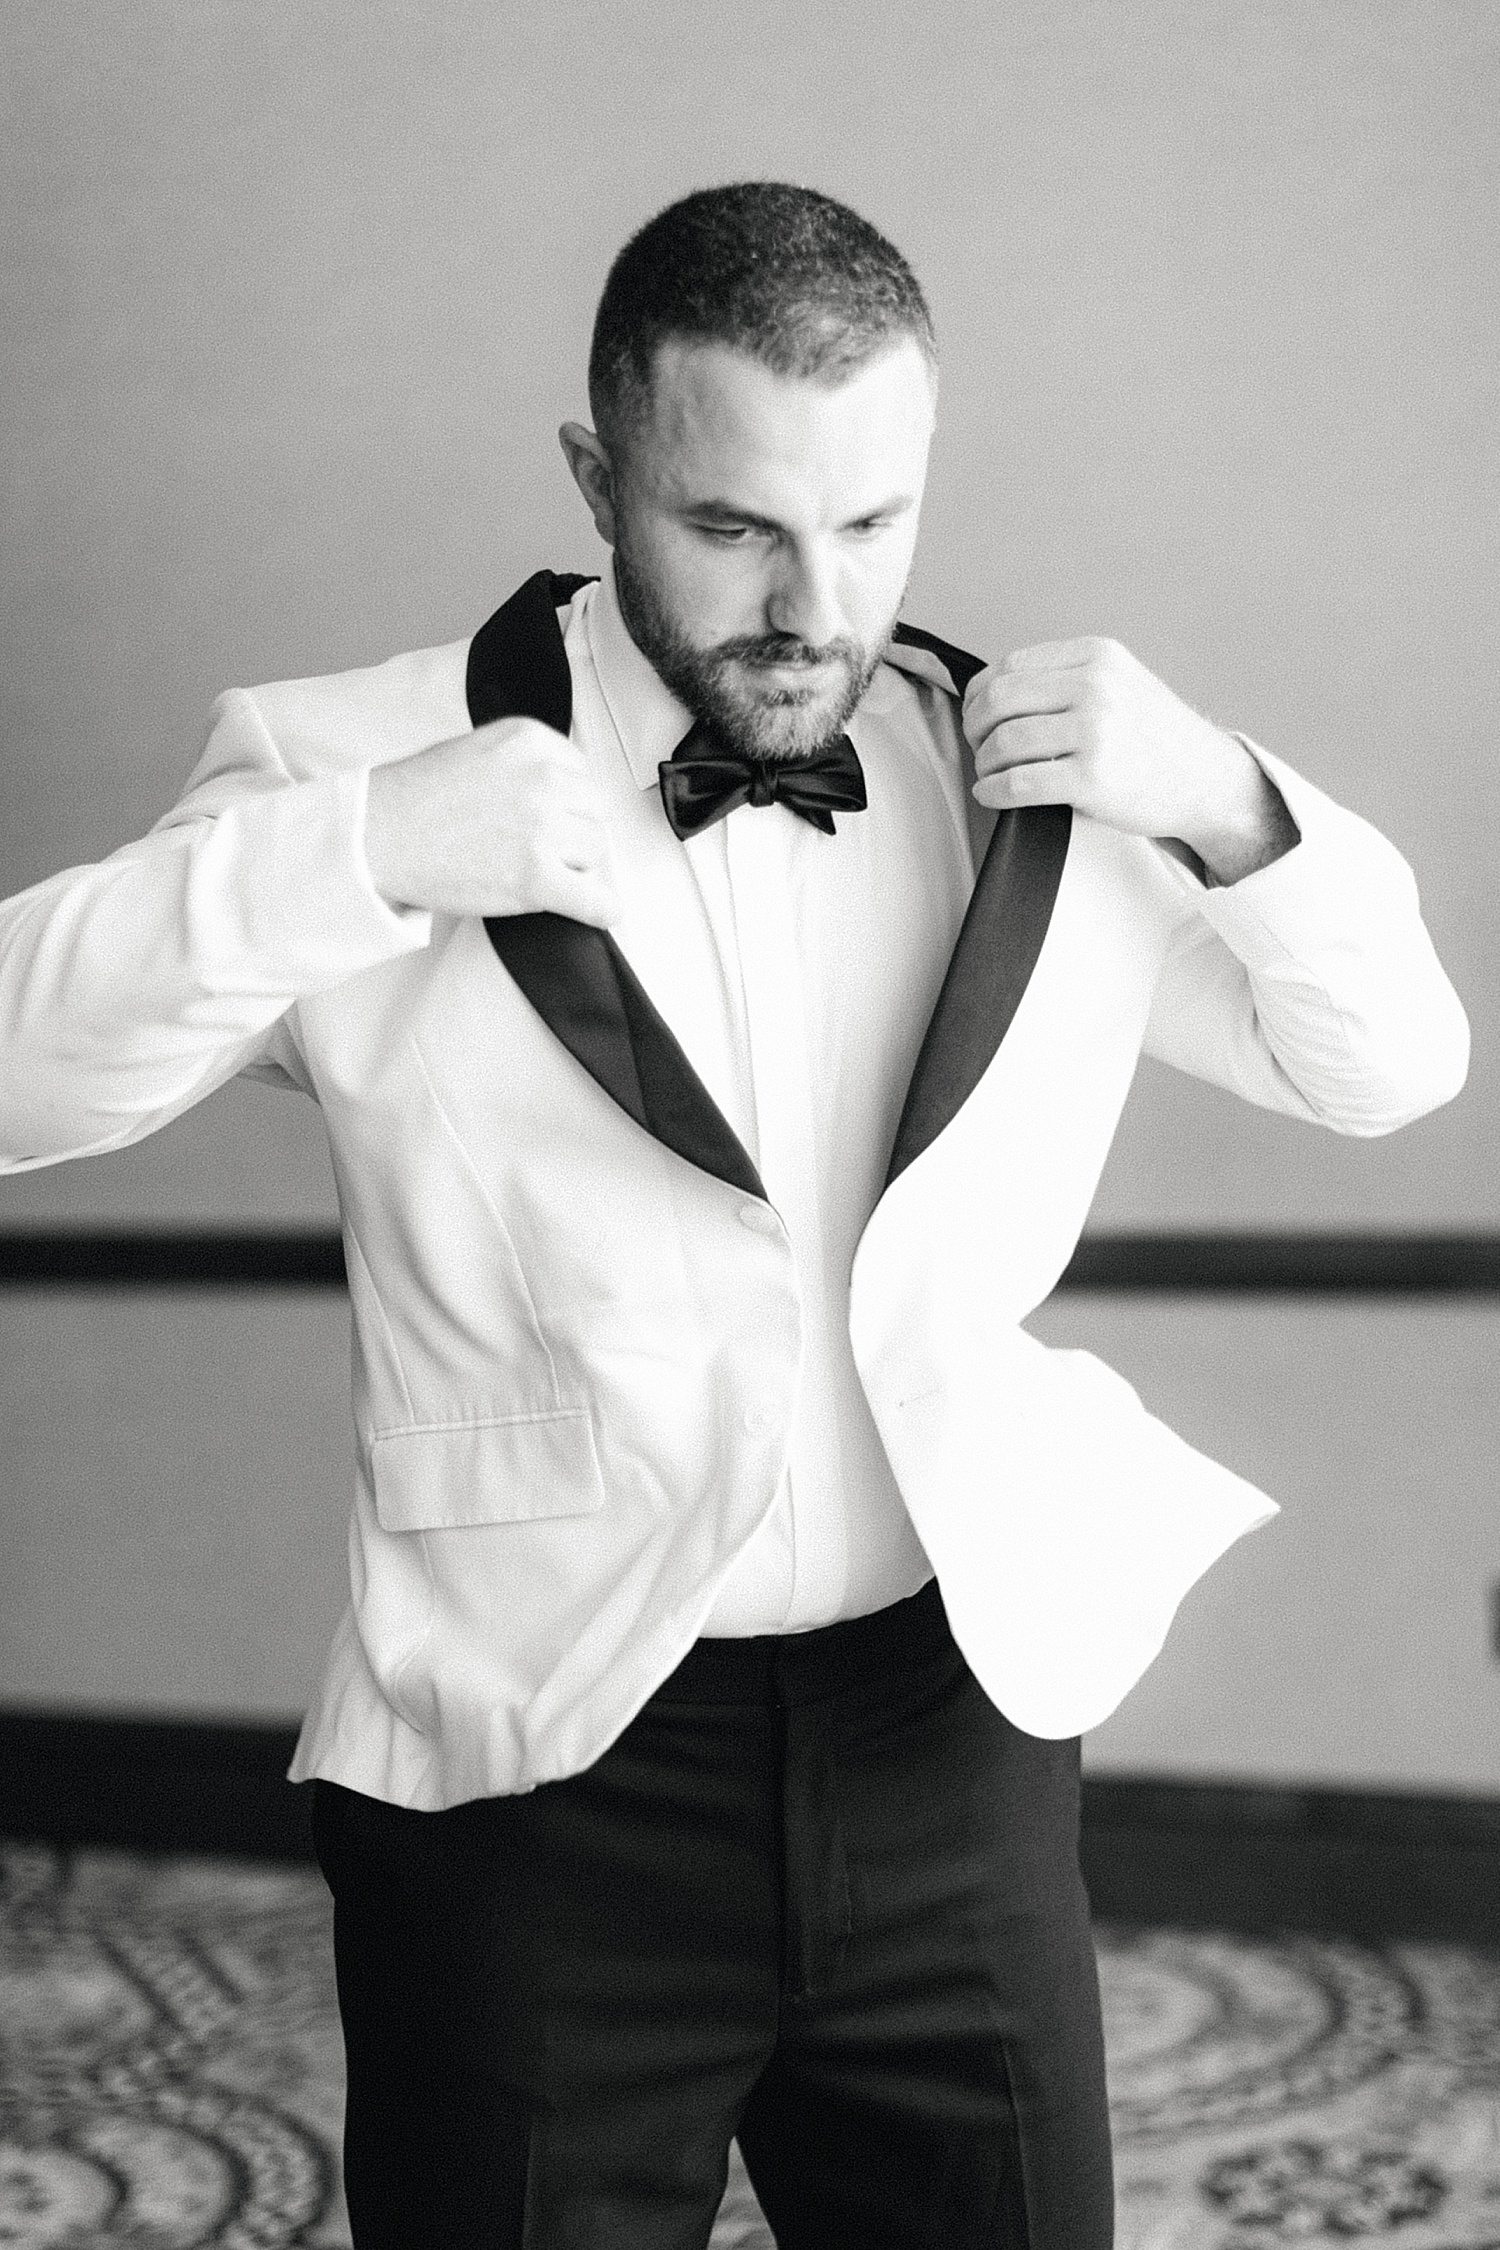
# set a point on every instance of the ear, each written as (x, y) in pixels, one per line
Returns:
(593, 476)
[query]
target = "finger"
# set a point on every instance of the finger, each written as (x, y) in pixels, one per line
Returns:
(1045, 781)
(1019, 742)
(577, 839)
(576, 795)
(1051, 656)
(584, 896)
(996, 695)
(513, 728)
(541, 746)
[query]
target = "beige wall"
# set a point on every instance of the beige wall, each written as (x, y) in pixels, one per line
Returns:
(177, 1473)
(295, 301)
(1349, 1641)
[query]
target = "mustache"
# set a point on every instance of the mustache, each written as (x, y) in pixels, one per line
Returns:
(785, 649)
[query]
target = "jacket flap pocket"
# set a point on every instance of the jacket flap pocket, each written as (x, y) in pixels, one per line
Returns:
(510, 1468)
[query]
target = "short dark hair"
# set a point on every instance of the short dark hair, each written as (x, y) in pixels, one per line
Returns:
(798, 281)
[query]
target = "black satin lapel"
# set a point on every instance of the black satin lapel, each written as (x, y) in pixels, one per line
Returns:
(574, 975)
(518, 666)
(586, 992)
(998, 948)
(959, 664)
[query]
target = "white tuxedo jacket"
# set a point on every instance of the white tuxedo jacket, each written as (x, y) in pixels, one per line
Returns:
(575, 1363)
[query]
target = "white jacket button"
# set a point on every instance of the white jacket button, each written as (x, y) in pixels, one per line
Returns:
(760, 1419)
(759, 1218)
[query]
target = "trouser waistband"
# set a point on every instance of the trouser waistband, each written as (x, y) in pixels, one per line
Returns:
(805, 1667)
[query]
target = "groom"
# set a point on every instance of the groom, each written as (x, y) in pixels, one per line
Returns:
(731, 1573)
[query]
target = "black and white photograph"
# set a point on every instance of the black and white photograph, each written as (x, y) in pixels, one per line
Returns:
(749, 1257)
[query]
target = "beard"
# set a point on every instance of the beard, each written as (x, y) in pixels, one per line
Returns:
(719, 684)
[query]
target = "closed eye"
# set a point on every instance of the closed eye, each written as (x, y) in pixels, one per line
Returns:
(884, 518)
(728, 534)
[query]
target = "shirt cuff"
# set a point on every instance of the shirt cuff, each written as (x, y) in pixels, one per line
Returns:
(307, 900)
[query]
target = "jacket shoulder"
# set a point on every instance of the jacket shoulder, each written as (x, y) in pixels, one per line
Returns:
(925, 677)
(336, 720)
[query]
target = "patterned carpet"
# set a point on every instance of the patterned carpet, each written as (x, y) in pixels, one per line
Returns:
(170, 2075)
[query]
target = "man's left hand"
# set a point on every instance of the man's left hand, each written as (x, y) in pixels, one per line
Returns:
(1083, 723)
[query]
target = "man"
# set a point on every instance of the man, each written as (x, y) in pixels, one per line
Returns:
(704, 1128)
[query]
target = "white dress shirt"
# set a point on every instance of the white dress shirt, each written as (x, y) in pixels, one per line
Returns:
(827, 954)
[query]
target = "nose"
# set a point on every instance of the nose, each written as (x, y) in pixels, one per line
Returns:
(804, 598)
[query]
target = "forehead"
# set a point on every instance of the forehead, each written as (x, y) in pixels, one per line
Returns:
(721, 425)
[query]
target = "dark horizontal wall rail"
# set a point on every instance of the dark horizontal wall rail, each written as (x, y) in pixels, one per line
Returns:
(171, 1258)
(1226, 1855)
(1364, 1264)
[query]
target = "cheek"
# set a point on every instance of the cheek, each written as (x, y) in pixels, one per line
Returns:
(714, 592)
(876, 580)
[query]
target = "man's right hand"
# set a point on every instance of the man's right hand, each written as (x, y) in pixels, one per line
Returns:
(506, 820)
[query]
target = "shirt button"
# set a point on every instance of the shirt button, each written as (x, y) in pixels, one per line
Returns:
(760, 1419)
(759, 1218)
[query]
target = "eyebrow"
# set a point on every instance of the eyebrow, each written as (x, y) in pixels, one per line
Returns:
(724, 511)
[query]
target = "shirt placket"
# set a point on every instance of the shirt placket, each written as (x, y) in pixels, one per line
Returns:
(761, 843)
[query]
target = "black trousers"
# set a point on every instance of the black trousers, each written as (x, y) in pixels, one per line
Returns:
(819, 1894)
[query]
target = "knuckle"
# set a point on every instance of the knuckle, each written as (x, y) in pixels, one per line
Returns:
(534, 857)
(504, 736)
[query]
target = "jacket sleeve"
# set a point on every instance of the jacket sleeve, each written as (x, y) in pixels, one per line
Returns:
(1312, 986)
(131, 989)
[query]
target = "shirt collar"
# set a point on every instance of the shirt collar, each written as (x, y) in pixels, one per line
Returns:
(648, 718)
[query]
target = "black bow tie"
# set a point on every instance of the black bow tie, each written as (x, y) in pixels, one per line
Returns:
(702, 781)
